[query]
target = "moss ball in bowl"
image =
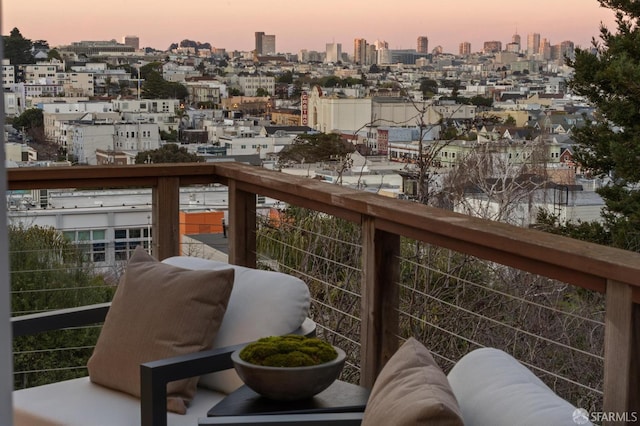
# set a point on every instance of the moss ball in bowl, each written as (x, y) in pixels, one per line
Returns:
(289, 367)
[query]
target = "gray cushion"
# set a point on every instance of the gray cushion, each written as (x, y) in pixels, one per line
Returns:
(493, 388)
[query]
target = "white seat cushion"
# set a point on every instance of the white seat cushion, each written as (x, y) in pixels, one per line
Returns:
(493, 388)
(79, 402)
(262, 303)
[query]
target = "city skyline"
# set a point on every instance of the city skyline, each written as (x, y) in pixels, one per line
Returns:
(61, 22)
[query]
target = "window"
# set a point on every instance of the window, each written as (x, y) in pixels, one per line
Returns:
(92, 241)
(126, 240)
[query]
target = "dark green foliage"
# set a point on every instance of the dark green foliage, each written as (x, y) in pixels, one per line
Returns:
(288, 351)
(49, 272)
(167, 153)
(147, 69)
(593, 232)
(510, 121)
(156, 87)
(30, 119)
(481, 101)
(54, 54)
(17, 48)
(170, 136)
(286, 77)
(610, 143)
(315, 148)
(335, 81)
(428, 87)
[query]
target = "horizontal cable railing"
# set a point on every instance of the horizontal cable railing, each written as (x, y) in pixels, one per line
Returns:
(453, 303)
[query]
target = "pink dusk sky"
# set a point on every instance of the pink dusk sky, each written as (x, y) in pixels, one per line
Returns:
(306, 25)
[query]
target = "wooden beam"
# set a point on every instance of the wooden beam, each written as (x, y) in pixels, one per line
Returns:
(166, 217)
(242, 226)
(619, 384)
(380, 298)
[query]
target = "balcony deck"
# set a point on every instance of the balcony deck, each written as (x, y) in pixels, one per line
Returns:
(382, 223)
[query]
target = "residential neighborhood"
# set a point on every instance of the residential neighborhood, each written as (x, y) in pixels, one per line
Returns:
(104, 102)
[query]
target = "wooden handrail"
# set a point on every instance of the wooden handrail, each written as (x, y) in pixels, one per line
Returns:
(384, 220)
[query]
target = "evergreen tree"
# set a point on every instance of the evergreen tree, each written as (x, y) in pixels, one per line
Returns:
(608, 77)
(17, 48)
(168, 153)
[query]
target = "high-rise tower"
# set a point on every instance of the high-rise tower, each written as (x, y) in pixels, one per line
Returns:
(533, 43)
(360, 51)
(423, 45)
(465, 48)
(259, 36)
(265, 43)
(333, 52)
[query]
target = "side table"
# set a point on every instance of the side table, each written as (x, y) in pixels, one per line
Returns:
(340, 397)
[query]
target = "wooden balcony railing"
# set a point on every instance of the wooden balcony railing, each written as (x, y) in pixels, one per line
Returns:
(383, 221)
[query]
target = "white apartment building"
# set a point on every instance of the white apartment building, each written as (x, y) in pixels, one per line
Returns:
(43, 72)
(77, 84)
(239, 146)
(13, 103)
(206, 91)
(87, 138)
(17, 152)
(249, 85)
(159, 111)
(51, 90)
(328, 113)
(178, 73)
(146, 105)
(8, 73)
(56, 113)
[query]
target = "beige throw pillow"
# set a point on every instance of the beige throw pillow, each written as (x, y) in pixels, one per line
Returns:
(412, 390)
(158, 311)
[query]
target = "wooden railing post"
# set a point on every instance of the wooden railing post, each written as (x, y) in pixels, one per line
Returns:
(380, 298)
(242, 226)
(166, 217)
(620, 353)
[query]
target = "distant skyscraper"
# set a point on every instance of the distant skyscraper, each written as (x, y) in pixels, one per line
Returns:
(515, 45)
(465, 48)
(259, 36)
(359, 51)
(333, 52)
(492, 46)
(567, 50)
(423, 45)
(381, 44)
(132, 41)
(533, 43)
(371, 57)
(269, 44)
(545, 49)
(265, 44)
(515, 38)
